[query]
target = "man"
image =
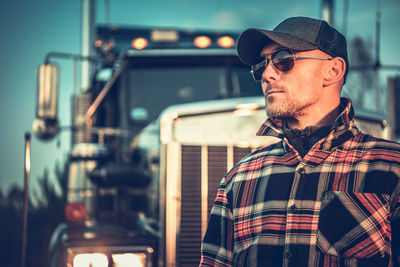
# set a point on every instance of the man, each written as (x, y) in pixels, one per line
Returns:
(323, 193)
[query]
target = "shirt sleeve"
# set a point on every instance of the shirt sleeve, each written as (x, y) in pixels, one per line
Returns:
(217, 246)
(395, 223)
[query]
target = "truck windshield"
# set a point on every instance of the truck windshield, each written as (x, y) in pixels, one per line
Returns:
(151, 90)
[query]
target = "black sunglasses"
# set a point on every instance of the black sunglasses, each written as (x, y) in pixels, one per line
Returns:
(282, 60)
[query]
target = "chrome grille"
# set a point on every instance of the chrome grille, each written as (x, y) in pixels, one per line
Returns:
(189, 236)
(239, 153)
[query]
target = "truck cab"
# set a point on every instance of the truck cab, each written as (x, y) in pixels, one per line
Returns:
(170, 111)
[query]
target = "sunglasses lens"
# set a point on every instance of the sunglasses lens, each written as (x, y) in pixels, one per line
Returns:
(257, 70)
(283, 60)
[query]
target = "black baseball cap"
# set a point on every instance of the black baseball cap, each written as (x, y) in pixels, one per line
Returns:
(296, 33)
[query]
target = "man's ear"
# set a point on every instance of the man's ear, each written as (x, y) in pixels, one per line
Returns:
(335, 71)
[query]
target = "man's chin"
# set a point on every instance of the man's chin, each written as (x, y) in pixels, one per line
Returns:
(279, 113)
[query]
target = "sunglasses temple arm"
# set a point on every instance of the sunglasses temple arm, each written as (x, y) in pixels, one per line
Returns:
(300, 56)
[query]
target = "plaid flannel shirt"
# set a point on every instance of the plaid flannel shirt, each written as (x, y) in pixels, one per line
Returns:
(337, 206)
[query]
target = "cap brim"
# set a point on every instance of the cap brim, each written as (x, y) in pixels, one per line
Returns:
(252, 41)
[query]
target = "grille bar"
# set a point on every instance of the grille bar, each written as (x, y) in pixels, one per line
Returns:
(188, 246)
(217, 164)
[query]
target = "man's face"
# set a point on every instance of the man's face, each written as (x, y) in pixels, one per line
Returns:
(292, 94)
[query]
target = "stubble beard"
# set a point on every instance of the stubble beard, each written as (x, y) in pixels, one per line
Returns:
(286, 111)
(286, 108)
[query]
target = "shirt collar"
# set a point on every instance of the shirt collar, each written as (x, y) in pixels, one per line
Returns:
(344, 122)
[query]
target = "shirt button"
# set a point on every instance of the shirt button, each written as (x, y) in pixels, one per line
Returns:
(301, 171)
(288, 254)
(292, 208)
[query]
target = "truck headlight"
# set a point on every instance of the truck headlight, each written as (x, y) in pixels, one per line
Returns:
(90, 260)
(129, 259)
(132, 256)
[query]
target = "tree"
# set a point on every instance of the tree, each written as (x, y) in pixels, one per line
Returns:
(11, 228)
(43, 218)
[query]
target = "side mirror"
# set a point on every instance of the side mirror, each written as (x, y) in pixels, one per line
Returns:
(46, 124)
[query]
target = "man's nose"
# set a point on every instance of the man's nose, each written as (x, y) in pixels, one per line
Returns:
(270, 74)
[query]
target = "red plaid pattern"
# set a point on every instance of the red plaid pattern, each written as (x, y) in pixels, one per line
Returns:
(337, 206)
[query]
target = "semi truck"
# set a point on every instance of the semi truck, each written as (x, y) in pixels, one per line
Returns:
(168, 113)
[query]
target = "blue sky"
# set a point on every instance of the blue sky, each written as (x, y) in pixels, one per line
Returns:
(31, 29)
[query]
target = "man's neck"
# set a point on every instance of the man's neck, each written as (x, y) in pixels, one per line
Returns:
(315, 118)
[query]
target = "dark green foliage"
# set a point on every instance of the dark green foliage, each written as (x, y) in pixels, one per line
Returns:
(44, 215)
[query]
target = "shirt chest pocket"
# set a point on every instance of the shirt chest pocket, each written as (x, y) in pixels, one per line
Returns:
(354, 225)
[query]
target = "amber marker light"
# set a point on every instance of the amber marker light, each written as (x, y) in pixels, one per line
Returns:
(225, 41)
(202, 41)
(139, 43)
(75, 212)
(98, 43)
